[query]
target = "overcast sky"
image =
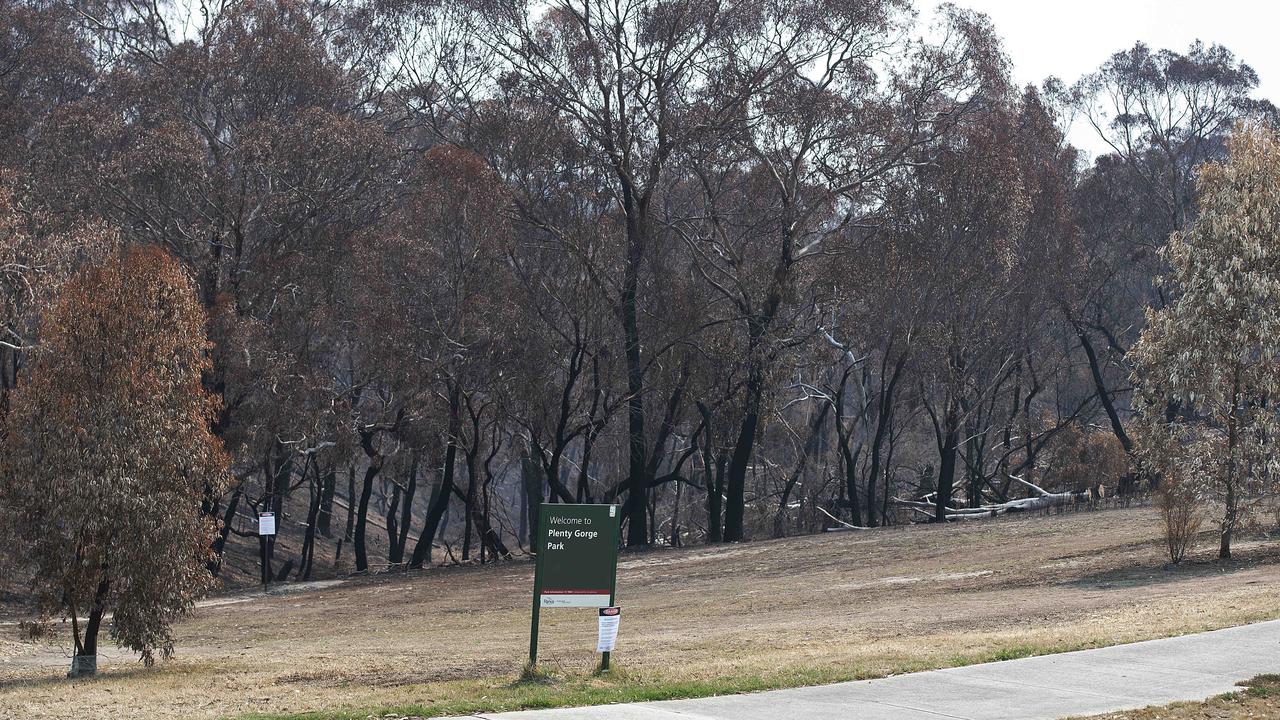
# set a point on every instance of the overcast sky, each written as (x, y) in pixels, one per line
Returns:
(1070, 38)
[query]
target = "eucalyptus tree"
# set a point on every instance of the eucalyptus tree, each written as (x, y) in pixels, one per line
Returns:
(247, 140)
(1161, 114)
(627, 83)
(46, 61)
(107, 515)
(1211, 352)
(983, 226)
(848, 102)
(431, 300)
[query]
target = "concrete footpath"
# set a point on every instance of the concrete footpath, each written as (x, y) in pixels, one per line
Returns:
(1123, 677)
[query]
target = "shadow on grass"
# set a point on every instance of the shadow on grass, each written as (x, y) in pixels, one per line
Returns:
(1203, 564)
(57, 677)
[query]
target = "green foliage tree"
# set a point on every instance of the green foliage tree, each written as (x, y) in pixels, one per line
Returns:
(109, 454)
(1208, 363)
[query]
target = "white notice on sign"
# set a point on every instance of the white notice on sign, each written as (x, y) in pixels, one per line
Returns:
(609, 617)
(267, 524)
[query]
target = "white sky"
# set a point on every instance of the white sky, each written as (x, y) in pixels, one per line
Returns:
(1070, 38)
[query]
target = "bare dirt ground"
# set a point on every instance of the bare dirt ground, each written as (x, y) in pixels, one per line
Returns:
(851, 604)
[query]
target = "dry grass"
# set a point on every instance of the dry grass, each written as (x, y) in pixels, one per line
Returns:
(1260, 699)
(713, 619)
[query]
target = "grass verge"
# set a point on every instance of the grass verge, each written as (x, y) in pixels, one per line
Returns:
(1260, 698)
(540, 688)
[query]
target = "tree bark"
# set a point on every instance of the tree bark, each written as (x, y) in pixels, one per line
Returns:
(351, 503)
(637, 482)
(1095, 369)
(220, 543)
(85, 661)
(1228, 522)
(885, 410)
(584, 476)
(324, 520)
(440, 502)
(947, 462)
(713, 479)
(406, 509)
(490, 538)
(736, 482)
(313, 513)
(469, 505)
(366, 491)
(1231, 511)
(395, 551)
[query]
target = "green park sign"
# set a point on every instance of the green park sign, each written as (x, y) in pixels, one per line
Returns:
(577, 563)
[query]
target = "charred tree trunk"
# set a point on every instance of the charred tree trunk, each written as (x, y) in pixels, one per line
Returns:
(313, 514)
(584, 476)
(713, 479)
(490, 538)
(736, 482)
(653, 515)
(849, 461)
(224, 531)
(469, 505)
(1095, 369)
(351, 503)
(278, 469)
(528, 511)
(440, 501)
(847, 455)
(637, 481)
(973, 468)
(888, 473)
(324, 519)
(1228, 522)
(947, 451)
(375, 458)
(884, 411)
(395, 551)
(674, 540)
(405, 521)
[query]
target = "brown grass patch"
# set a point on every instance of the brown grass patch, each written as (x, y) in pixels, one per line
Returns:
(770, 613)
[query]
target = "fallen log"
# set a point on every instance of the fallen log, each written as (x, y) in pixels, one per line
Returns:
(844, 525)
(1043, 500)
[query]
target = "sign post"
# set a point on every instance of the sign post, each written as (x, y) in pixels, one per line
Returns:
(266, 536)
(577, 562)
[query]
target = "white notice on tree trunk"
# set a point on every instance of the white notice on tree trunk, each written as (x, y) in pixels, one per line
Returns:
(267, 524)
(609, 617)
